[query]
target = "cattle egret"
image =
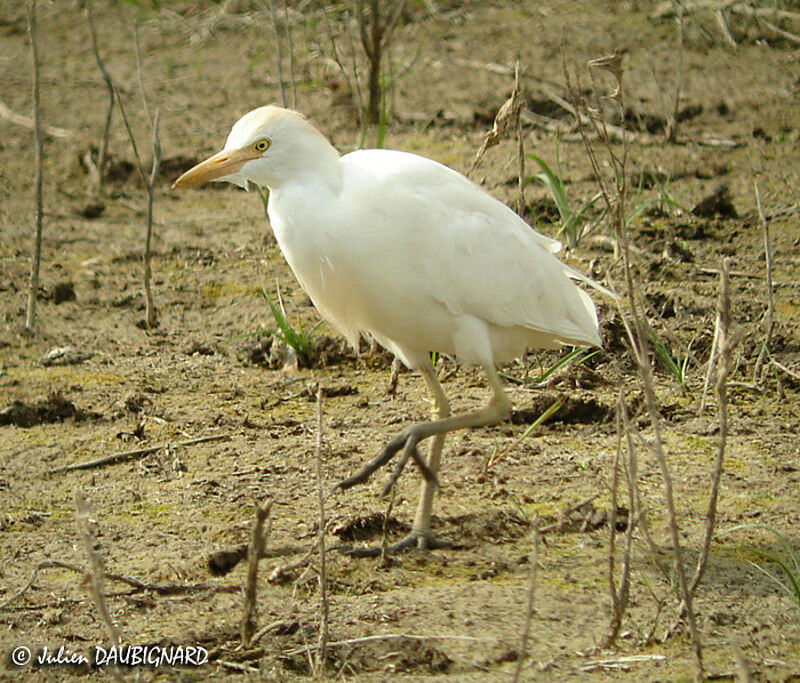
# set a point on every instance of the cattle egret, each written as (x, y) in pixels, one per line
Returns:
(402, 249)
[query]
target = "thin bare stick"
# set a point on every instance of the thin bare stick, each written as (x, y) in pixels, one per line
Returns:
(322, 645)
(290, 47)
(47, 564)
(533, 559)
(150, 308)
(351, 80)
(783, 368)
(94, 574)
(102, 154)
(621, 592)
(635, 517)
(722, 22)
(615, 133)
(786, 35)
(725, 348)
(254, 552)
(388, 637)
(278, 52)
(139, 71)
(757, 379)
(137, 585)
(33, 287)
(666, 9)
(386, 560)
(280, 571)
(131, 137)
(612, 527)
(95, 571)
(149, 185)
(26, 122)
(614, 197)
(270, 628)
(113, 458)
(375, 37)
(672, 118)
(520, 144)
(712, 359)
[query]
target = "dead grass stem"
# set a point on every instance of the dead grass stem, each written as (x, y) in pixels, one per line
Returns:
(94, 573)
(770, 314)
(322, 574)
(533, 560)
(620, 592)
(722, 333)
(614, 195)
(36, 259)
(376, 28)
(255, 551)
(102, 152)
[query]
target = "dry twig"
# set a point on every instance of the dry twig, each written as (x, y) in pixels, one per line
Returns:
(770, 316)
(149, 185)
(10, 115)
(95, 573)
(620, 593)
(102, 153)
(137, 585)
(614, 197)
(113, 458)
(33, 287)
(322, 574)
(150, 308)
(278, 52)
(507, 116)
(254, 553)
(721, 333)
(376, 32)
(533, 559)
(388, 637)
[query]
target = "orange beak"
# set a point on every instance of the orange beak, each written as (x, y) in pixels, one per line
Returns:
(221, 164)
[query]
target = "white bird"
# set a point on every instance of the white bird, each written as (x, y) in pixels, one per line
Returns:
(400, 248)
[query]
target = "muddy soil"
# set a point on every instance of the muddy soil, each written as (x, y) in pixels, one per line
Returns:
(93, 381)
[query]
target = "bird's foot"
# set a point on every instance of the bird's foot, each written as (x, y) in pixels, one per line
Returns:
(406, 440)
(421, 540)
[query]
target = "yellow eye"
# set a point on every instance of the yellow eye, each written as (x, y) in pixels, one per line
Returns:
(262, 145)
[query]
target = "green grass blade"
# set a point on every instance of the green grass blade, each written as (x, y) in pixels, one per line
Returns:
(539, 421)
(790, 575)
(664, 355)
(555, 185)
(563, 362)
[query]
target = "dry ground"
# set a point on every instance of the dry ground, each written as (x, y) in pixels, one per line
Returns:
(205, 371)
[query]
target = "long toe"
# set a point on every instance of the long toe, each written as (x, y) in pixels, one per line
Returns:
(415, 540)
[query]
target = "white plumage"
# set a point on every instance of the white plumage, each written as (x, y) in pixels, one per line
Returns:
(403, 249)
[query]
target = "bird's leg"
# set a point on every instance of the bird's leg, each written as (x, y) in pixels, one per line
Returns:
(496, 411)
(499, 409)
(421, 531)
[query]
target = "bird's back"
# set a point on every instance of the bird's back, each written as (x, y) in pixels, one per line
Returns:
(425, 260)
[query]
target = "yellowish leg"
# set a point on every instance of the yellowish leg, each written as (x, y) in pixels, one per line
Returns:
(439, 411)
(498, 410)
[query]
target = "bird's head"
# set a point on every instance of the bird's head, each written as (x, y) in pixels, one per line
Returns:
(265, 147)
